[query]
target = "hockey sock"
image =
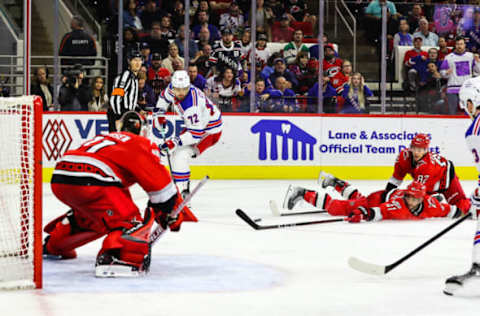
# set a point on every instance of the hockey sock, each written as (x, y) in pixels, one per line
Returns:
(476, 244)
(311, 197)
(348, 192)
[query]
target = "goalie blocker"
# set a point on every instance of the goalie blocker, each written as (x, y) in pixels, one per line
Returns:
(93, 181)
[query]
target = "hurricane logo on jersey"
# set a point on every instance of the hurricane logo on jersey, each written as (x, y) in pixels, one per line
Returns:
(288, 133)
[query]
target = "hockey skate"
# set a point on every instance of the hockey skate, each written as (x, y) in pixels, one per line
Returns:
(185, 192)
(455, 284)
(293, 196)
(328, 180)
(109, 266)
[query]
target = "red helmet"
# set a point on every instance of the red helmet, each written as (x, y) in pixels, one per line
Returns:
(416, 189)
(420, 140)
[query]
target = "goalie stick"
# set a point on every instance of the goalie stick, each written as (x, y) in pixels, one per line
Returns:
(256, 226)
(276, 211)
(376, 269)
(159, 230)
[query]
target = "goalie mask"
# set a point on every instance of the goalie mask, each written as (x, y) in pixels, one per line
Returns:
(469, 96)
(133, 122)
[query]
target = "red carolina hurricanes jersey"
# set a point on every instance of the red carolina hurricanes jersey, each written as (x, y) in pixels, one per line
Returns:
(396, 208)
(117, 159)
(433, 170)
(332, 67)
(338, 81)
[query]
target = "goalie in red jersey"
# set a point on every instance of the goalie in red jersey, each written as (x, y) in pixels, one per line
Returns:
(410, 204)
(434, 171)
(94, 180)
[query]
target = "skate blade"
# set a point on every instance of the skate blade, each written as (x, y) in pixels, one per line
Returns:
(468, 289)
(117, 271)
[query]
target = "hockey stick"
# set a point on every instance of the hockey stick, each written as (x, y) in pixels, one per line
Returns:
(167, 152)
(377, 269)
(276, 211)
(159, 230)
(256, 226)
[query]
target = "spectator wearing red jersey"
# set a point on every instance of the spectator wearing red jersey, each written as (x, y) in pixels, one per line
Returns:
(156, 71)
(331, 64)
(409, 54)
(443, 49)
(340, 79)
(283, 33)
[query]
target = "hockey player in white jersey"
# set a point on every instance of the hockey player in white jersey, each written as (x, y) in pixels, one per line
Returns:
(203, 125)
(469, 282)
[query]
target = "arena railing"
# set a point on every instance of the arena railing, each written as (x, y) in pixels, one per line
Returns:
(11, 69)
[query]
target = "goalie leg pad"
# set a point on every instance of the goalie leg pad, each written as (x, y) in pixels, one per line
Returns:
(126, 254)
(62, 242)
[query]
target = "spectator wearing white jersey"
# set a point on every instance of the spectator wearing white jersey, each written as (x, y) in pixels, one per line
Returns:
(458, 67)
(291, 50)
(224, 88)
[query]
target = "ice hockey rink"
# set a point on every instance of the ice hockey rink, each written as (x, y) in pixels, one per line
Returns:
(221, 266)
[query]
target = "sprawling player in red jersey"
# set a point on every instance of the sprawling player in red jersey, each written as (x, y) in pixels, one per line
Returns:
(434, 171)
(94, 180)
(412, 203)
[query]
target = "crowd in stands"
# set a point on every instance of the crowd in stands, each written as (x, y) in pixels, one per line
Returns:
(287, 61)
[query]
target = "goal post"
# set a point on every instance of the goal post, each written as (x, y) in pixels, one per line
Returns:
(21, 192)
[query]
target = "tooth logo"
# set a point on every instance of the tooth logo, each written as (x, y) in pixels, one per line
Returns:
(286, 131)
(286, 128)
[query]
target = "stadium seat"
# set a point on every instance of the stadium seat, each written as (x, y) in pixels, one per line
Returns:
(306, 27)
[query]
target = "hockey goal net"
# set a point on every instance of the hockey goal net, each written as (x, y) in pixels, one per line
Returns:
(20, 192)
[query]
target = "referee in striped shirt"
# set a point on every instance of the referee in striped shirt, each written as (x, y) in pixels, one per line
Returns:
(125, 91)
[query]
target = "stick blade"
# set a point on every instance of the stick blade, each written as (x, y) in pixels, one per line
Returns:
(366, 267)
(246, 219)
(274, 208)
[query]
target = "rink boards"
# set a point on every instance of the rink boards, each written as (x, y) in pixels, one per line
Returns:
(287, 146)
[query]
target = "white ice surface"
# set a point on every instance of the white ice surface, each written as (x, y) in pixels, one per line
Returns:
(221, 266)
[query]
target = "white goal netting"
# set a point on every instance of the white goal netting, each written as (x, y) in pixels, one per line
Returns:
(17, 198)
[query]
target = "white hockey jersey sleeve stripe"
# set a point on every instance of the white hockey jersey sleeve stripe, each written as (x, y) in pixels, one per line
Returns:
(164, 194)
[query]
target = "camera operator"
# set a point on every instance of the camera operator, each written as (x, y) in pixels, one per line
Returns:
(74, 93)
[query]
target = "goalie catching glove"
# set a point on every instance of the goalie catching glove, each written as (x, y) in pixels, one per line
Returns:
(164, 213)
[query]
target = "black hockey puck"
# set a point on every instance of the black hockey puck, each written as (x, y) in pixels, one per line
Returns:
(257, 220)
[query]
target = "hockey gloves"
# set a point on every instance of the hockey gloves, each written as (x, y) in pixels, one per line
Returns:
(170, 145)
(359, 214)
(173, 222)
(164, 213)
